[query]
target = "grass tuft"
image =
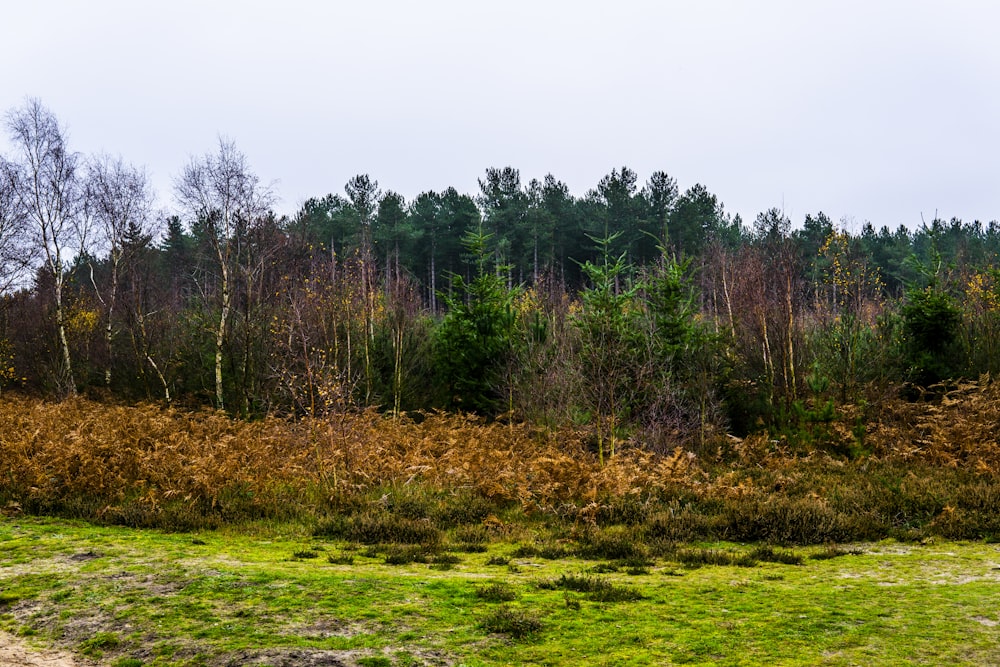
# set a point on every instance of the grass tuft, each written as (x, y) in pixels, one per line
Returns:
(769, 555)
(833, 551)
(511, 622)
(702, 557)
(496, 592)
(597, 589)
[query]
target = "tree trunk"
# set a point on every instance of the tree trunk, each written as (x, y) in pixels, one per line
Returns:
(220, 336)
(63, 340)
(791, 337)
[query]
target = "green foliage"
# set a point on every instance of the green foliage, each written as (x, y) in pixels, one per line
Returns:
(684, 359)
(477, 338)
(100, 642)
(610, 340)
(931, 322)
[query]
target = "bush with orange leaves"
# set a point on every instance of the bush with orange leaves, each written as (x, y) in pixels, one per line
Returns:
(955, 425)
(84, 454)
(928, 467)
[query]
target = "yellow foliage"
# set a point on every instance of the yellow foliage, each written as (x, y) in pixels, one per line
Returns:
(982, 291)
(82, 321)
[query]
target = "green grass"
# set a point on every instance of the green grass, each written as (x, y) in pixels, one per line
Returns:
(141, 597)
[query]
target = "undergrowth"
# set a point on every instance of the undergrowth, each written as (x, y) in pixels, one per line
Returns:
(456, 482)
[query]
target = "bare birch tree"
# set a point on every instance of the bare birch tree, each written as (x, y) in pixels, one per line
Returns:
(15, 253)
(48, 190)
(119, 200)
(223, 193)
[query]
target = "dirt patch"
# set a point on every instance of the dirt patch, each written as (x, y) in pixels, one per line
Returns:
(292, 658)
(14, 652)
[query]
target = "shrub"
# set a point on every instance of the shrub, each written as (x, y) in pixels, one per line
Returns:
(598, 590)
(380, 528)
(517, 624)
(611, 545)
(783, 520)
(833, 551)
(701, 557)
(769, 555)
(496, 592)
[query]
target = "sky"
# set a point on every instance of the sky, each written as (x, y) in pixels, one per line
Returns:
(882, 111)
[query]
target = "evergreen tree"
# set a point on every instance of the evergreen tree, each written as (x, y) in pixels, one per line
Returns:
(477, 337)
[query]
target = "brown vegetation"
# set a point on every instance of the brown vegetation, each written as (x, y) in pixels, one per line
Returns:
(928, 467)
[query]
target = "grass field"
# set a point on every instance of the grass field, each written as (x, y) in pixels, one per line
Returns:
(274, 595)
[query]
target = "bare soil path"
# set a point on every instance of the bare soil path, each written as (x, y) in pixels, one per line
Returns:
(14, 652)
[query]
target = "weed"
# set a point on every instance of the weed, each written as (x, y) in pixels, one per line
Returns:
(597, 589)
(769, 555)
(498, 560)
(96, 645)
(525, 551)
(780, 519)
(496, 592)
(546, 551)
(464, 510)
(407, 507)
(507, 621)
(553, 552)
(471, 537)
(341, 559)
(380, 528)
(127, 662)
(834, 551)
(701, 557)
(404, 555)
(375, 661)
(624, 510)
(444, 561)
(678, 525)
(611, 545)
(604, 568)
(305, 554)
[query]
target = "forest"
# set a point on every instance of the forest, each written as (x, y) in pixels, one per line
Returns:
(648, 316)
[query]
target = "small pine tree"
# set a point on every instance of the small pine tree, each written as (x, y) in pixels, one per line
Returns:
(931, 320)
(478, 336)
(610, 343)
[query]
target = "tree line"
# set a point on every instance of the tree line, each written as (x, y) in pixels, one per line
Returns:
(642, 312)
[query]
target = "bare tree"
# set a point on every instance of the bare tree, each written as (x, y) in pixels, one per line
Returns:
(119, 200)
(46, 186)
(226, 197)
(15, 253)
(364, 195)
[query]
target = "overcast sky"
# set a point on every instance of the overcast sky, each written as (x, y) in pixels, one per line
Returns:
(866, 110)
